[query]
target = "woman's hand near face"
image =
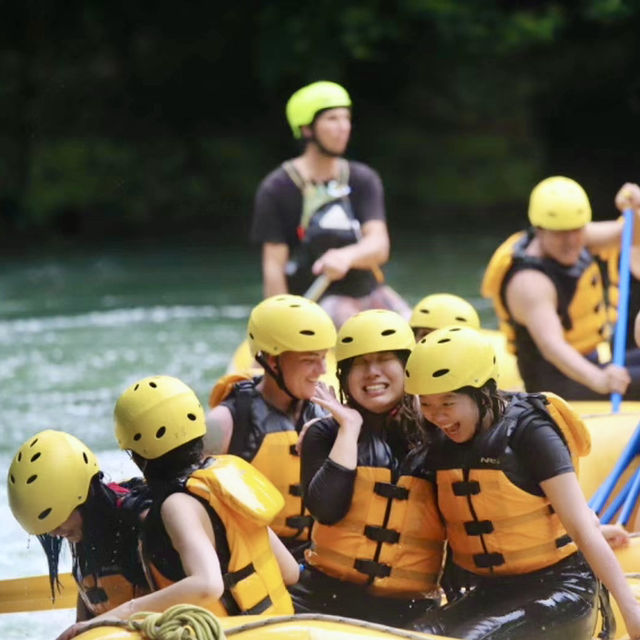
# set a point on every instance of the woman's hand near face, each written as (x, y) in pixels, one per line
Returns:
(346, 417)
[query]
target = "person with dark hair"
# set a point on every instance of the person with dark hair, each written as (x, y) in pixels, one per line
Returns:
(259, 419)
(56, 491)
(527, 554)
(321, 214)
(377, 540)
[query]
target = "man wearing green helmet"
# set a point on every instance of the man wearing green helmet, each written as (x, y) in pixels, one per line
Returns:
(553, 294)
(321, 214)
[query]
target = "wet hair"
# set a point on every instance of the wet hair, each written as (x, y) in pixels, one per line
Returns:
(407, 416)
(162, 472)
(101, 520)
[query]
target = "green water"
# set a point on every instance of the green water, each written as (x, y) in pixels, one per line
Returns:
(78, 326)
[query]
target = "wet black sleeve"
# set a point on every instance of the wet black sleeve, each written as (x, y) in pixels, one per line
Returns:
(367, 193)
(541, 448)
(328, 486)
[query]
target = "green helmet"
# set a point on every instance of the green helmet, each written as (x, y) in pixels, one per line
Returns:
(373, 331)
(559, 204)
(449, 359)
(156, 415)
(48, 478)
(289, 323)
(305, 103)
(442, 310)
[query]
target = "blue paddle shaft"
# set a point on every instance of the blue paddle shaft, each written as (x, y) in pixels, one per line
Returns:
(620, 337)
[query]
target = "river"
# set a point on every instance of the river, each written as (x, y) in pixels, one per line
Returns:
(78, 325)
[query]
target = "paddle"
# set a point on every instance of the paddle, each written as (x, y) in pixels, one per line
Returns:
(34, 594)
(620, 337)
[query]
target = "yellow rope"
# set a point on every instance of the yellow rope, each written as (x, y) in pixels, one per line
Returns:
(181, 622)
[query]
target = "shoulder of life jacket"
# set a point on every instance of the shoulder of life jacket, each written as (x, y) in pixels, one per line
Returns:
(499, 264)
(224, 386)
(240, 487)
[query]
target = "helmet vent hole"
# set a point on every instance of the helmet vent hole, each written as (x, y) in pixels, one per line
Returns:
(406, 373)
(251, 335)
(423, 340)
(33, 442)
(294, 306)
(440, 372)
(454, 329)
(191, 416)
(444, 340)
(388, 332)
(308, 332)
(136, 387)
(160, 432)
(13, 480)
(425, 311)
(494, 359)
(137, 437)
(43, 514)
(85, 458)
(35, 456)
(20, 456)
(153, 385)
(347, 340)
(32, 478)
(461, 319)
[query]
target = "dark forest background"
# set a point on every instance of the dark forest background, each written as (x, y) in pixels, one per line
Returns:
(149, 119)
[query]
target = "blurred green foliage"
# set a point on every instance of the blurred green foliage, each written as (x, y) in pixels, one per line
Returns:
(160, 118)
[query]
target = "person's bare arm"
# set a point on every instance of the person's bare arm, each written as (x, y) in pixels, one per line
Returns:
(371, 251)
(531, 299)
(219, 423)
(289, 568)
(274, 262)
(567, 499)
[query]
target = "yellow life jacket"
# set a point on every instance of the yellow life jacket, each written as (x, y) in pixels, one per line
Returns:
(246, 502)
(105, 592)
(493, 526)
(391, 538)
(276, 456)
(588, 314)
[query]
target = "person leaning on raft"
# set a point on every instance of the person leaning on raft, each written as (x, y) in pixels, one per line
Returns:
(516, 519)
(205, 540)
(377, 541)
(321, 214)
(56, 491)
(260, 419)
(547, 288)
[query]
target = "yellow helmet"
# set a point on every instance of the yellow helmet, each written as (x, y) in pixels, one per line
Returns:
(559, 204)
(156, 415)
(305, 103)
(48, 478)
(289, 323)
(372, 331)
(442, 310)
(449, 359)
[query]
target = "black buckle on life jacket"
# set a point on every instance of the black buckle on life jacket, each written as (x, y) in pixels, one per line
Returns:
(298, 522)
(372, 568)
(296, 490)
(478, 527)
(391, 491)
(96, 595)
(293, 451)
(232, 578)
(380, 534)
(466, 488)
(563, 541)
(488, 560)
(259, 608)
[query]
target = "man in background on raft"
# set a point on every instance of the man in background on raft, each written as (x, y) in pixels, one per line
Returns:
(322, 214)
(554, 297)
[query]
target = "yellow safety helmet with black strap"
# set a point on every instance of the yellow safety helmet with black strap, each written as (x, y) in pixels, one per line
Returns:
(372, 331)
(289, 323)
(304, 104)
(559, 204)
(449, 359)
(48, 478)
(156, 415)
(442, 310)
